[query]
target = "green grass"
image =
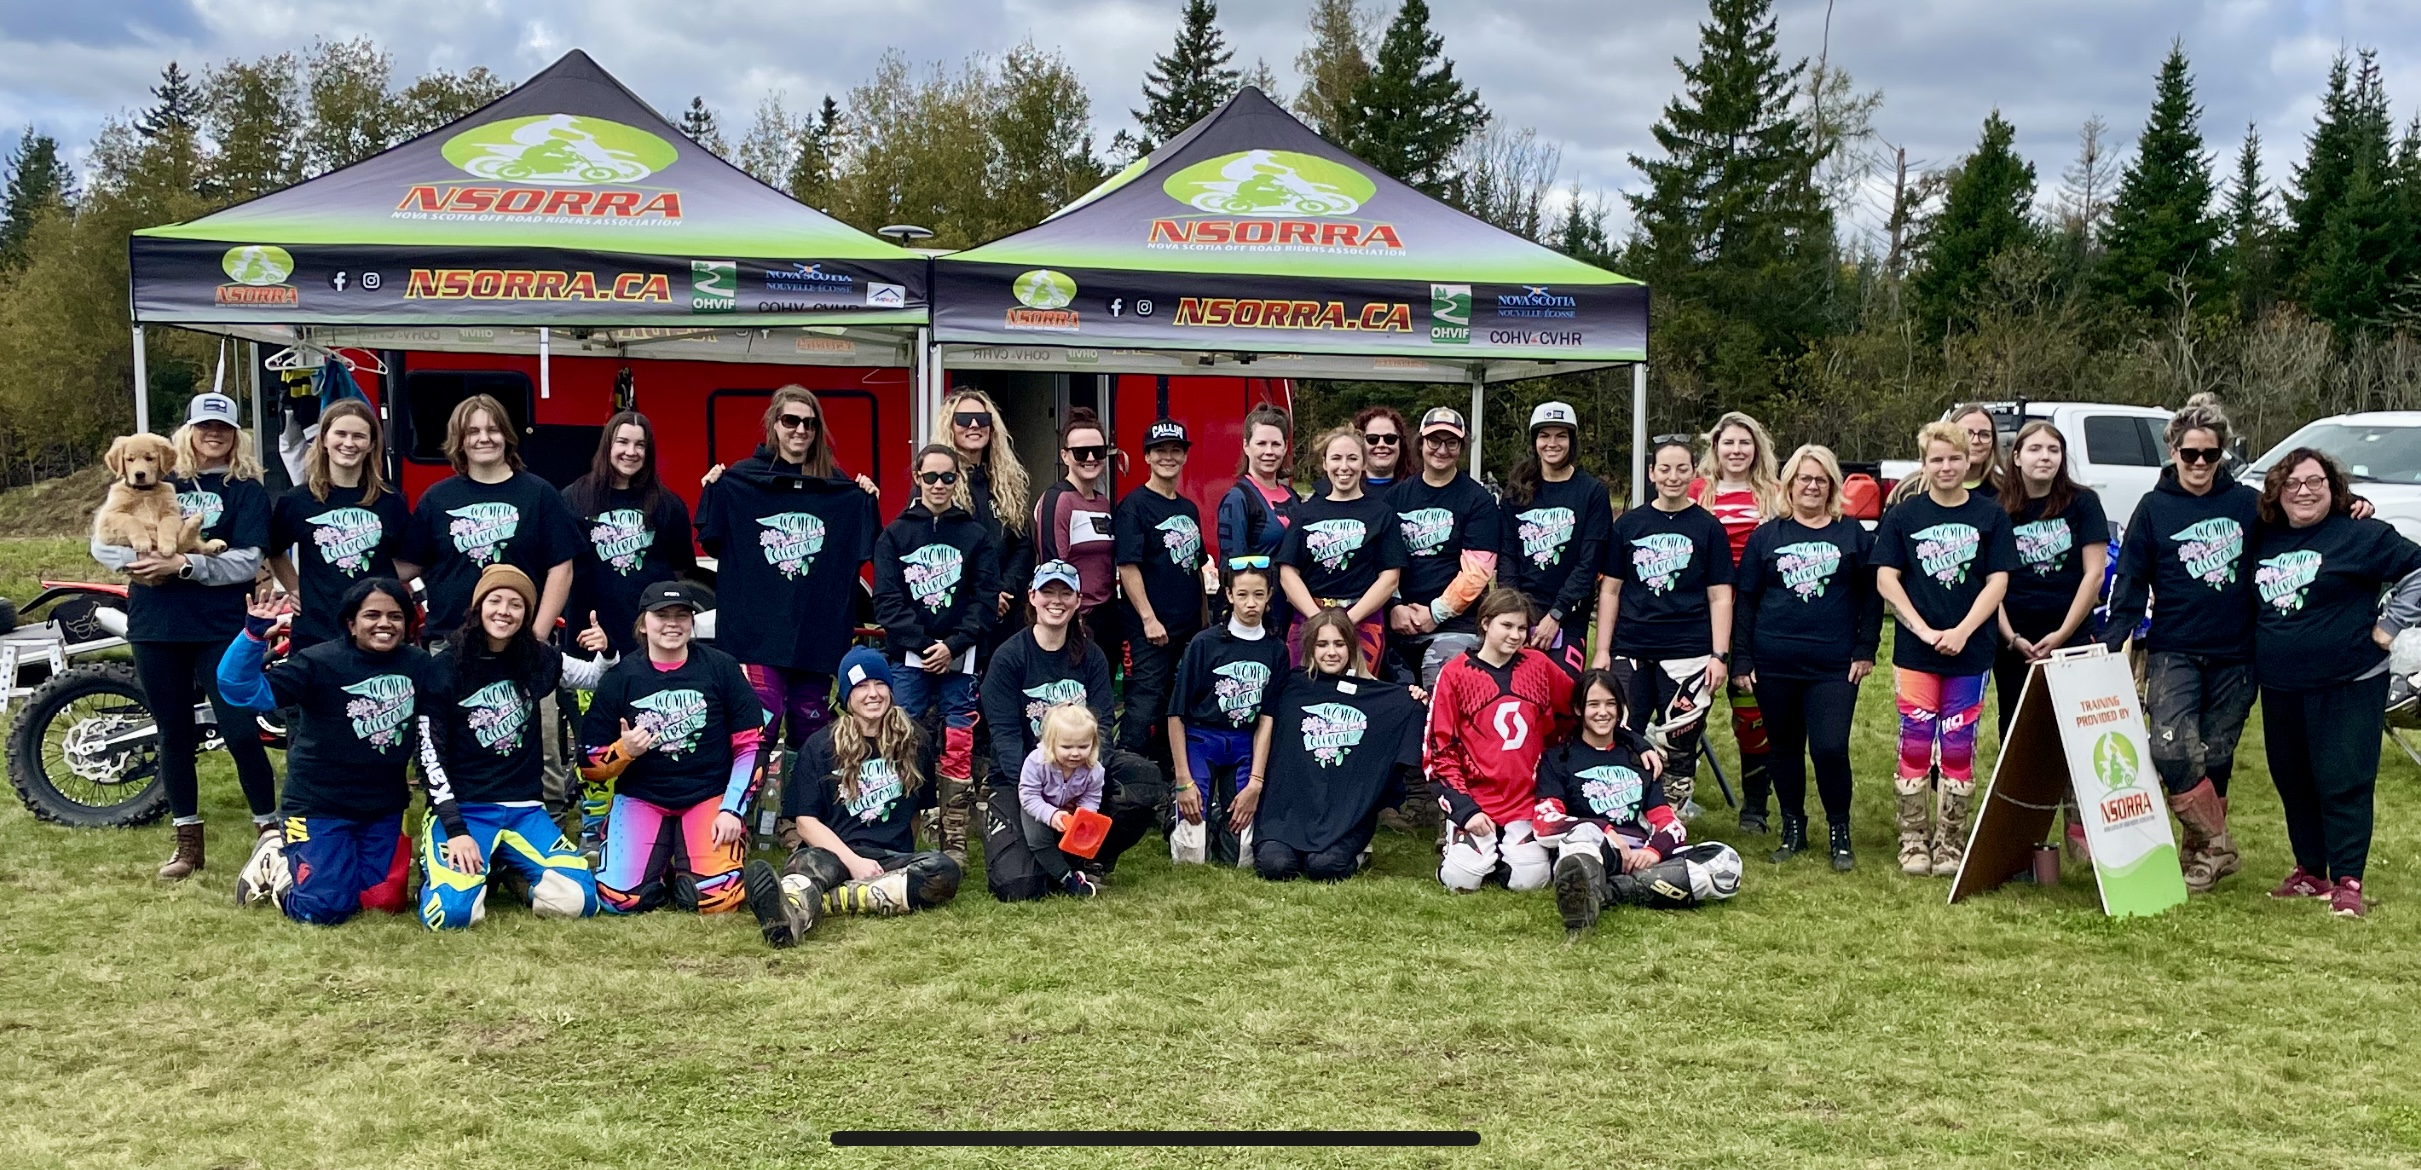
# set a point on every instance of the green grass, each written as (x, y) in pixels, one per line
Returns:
(1817, 1020)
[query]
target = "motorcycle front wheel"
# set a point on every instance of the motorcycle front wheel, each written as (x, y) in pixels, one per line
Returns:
(84, 752)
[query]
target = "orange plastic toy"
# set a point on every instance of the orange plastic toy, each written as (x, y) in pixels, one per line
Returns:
(1084, 834)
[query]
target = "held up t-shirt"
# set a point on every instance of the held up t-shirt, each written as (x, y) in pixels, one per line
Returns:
(2051, 561)
(1666, 561)
(1439, 525)
(1341, 546)
(336, 542)
(462, 526)
(232, 510)
(1162, 538)
(1944, 555)
(1334, 752)
(693, 709)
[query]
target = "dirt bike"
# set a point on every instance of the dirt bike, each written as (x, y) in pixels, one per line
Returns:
(83, 750)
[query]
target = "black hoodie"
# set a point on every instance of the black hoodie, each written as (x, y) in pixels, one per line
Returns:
(790, 548)
(2193, 555)
(934, 580)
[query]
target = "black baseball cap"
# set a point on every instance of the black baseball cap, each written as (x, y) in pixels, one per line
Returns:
(1165, 432)
(668, 594)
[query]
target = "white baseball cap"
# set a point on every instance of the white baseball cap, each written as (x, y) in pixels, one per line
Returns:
(212, 407)
(1555, 414)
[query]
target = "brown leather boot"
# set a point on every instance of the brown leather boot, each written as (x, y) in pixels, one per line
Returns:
(2207, 852)
(957, 801)
(188, 856)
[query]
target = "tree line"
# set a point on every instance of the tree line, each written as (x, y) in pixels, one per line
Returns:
(2148, 274)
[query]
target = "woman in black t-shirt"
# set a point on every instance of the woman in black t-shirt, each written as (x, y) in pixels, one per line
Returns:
(1664, 615)
(182, 608)
(1942, 562)
(1343, 550)
(2063, 543)
(634, 531)
(341, 525)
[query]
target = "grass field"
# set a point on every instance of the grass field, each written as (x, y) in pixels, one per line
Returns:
(1817, 1020)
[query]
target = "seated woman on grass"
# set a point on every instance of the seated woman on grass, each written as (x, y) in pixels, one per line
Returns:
(354, 726)
(1339, 741)
(854, 794)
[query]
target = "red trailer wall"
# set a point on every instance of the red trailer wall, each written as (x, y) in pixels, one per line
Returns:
(1212, 409)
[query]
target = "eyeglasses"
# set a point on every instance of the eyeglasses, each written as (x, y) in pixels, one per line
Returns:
(1256, 561)
(1088, 454)
(796, 422)
(950, 477)
(1381, 440)
(2308, 483)
(1982, 436)
(1812, 481)
(2199, 454)
(1442, 440)
(971, 419)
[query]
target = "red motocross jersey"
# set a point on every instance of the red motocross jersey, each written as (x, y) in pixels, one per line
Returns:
(1487, 729)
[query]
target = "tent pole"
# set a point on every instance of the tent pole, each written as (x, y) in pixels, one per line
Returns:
(546, 384)
(142, 385)
(1479, 389)
(925, 391)
(252, 377)
(1639, 433)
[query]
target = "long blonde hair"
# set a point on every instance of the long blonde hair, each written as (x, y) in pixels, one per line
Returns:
(1827, 463)
(1012, 491)
(242, 463)
(1763, 482)
(896, 739)
(317, 473)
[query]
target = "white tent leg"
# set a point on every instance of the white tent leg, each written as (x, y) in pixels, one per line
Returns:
(928, 391)
(252, 378)
(546, 383)
(142, 386)
(1639, 433)
(1479, 390)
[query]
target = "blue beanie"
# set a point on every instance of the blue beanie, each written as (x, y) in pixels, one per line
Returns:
(862, 665)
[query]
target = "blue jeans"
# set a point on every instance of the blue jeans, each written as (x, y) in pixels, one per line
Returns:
(913, 690)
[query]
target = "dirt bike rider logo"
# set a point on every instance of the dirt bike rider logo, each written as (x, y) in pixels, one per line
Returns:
(1270, 183)
(558, 149)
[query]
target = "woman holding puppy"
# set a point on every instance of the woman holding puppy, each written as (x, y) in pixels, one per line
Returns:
(182, 608)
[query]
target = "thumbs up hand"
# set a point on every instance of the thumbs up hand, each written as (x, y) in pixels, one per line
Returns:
(636, 740)
(593, 638)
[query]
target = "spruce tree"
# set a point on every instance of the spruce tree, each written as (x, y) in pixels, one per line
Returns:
(817, 160)
(1988, 210)
(2328, 163)
(1412, 114)
(2350, 265)
(698, 122)
(37, 181)
(2162, 230)
(1187, 83)
(2252, 233)
(176, 104)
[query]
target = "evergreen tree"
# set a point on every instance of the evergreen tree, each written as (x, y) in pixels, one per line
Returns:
(2252, 233)
(2346, 126)
(2350, 265)
(2161, 230)
(1334, 65)
(1187, 83)
(1412, 114)
(1733, 230)
(812, 168)
(37, 182)
(176, 104)
(698, 122)
(1988, 211)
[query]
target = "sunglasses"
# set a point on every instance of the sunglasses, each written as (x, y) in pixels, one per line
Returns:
(1381, 440)
(796, 422)
(1089, 454)
(971, 419)
(2199, 454)
(949, 477)
(1256, 561)
(1675, 437)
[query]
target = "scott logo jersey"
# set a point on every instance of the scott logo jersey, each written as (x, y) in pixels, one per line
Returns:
(1487, 729)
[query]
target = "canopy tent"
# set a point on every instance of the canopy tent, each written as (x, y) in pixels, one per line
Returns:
(565, 215)
(1251, 240)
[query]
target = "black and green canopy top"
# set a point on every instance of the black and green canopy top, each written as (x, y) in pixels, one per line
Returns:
(1250, 237)
(566, 203)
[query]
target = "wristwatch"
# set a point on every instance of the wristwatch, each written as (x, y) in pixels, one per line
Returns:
(185, 571)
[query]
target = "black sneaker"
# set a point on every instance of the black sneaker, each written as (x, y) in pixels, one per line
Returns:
(1579, 890)
(1081, 884)
(1843, 859)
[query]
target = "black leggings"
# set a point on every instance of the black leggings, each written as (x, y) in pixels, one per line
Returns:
(1811, 715)
(175, 675)
(2323, 746)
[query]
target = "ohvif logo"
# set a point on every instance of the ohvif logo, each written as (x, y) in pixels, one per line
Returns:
(258, 275)
(1450, 314)
(714, 286)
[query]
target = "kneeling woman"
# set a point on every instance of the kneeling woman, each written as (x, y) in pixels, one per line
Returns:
(677, 726)
(854, 794)
(1602, 805)
(1497, 707)
(490, 805)
(1337, 740)
(354, 726)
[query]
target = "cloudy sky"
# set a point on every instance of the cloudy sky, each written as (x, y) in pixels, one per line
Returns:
(1590, 75)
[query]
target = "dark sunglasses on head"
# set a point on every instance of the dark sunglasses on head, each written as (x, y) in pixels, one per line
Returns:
(1088, 454)
(971, 418)
(1382, 440)
(1256, 561)
(796, 422)
(938, 477)
(2199, 454)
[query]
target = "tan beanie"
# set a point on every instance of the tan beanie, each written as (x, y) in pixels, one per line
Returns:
(500, 576)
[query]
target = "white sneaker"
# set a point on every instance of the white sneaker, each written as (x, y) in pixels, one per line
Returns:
(265, 879)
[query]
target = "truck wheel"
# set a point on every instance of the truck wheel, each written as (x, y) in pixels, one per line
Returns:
(83, 751)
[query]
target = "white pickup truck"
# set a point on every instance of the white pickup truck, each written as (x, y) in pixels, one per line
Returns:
(2115, 450)
(2380, 451)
